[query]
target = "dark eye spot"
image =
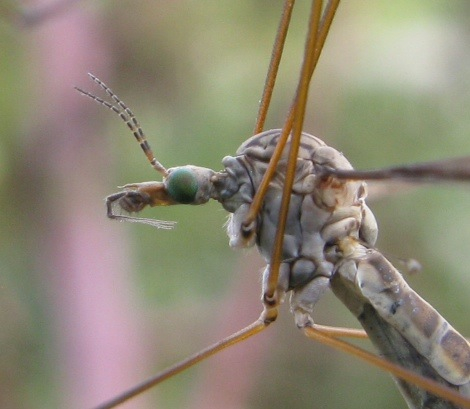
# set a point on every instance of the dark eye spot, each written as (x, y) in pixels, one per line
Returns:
(182, 185)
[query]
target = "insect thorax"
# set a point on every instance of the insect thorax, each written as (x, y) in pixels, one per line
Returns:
(322, 211)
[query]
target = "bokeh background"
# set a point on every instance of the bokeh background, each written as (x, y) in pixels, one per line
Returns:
(89, 307)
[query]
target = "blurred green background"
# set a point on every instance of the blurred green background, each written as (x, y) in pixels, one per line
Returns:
(90, 307)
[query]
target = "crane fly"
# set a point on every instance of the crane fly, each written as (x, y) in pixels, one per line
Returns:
(304, 206)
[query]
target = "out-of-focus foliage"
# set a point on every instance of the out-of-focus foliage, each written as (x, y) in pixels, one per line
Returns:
(391, 87)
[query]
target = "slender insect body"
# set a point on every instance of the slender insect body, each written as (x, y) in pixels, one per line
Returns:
(328, 243)
(329, 237)
(404, 327)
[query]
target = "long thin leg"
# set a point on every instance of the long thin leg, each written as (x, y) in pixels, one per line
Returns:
(340, 332)
(316, 37)
(437, 389)
(454, 170)
(274, 65)
(299, 112)
(255, 207)
(266, 318)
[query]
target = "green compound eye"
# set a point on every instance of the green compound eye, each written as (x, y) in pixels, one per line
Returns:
(182, 186)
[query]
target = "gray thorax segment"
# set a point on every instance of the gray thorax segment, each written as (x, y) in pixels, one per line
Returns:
(321, 212)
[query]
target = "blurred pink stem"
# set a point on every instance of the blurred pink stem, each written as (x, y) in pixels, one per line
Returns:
(99, 336)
